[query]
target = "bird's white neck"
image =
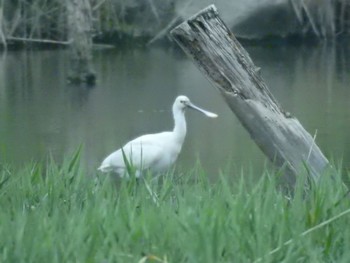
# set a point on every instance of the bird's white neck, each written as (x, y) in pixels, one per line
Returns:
(180, 124)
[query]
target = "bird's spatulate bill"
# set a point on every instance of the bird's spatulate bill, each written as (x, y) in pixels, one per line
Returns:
(207, 113)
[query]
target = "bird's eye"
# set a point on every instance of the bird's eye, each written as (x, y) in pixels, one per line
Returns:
(182, 101)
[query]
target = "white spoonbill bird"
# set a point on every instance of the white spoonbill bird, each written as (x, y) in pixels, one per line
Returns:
(154, 152)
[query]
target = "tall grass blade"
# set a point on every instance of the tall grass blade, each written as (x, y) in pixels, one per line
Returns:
(3, 181)
(129, 166)
(75, 159)
(310, 230)
(153, 195)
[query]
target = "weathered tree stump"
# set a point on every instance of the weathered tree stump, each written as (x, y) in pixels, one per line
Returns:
(80, 35)
(217, 53)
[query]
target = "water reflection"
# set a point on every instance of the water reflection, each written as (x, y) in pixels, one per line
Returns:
(41, 113)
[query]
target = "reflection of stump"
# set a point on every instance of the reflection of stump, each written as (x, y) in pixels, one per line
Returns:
(80, 35)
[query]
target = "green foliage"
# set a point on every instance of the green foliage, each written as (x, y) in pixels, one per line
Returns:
(56, 213)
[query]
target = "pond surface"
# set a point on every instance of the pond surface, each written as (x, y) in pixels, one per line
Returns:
(42, 115)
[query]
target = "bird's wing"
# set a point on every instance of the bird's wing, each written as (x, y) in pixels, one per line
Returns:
(146, 150)
(141, 153)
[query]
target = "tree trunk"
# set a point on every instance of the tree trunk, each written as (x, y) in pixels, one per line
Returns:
(80, 36)
(217, 53)
(2, 35)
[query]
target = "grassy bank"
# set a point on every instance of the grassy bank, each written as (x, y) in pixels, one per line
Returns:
(55, 213)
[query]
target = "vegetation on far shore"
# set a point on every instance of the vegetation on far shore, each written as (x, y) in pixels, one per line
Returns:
(116, 22)
(56, 213)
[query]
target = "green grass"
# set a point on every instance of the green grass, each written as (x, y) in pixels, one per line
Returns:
(55, 213)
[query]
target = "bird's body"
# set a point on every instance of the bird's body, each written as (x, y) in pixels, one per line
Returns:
(153, 152)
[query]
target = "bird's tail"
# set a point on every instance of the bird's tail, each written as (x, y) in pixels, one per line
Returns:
(104, 169)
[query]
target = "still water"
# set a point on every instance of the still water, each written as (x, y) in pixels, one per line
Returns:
(41, 114)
